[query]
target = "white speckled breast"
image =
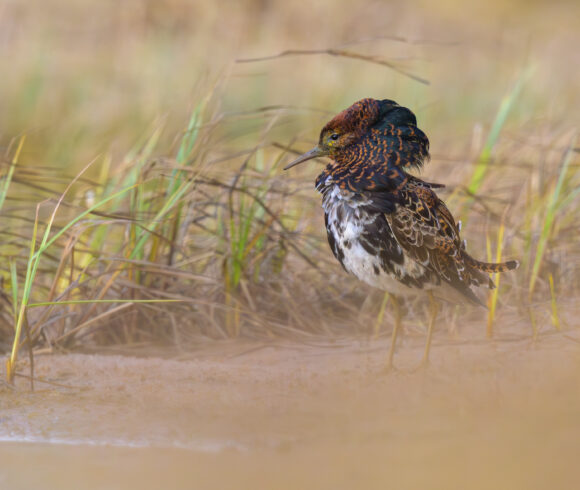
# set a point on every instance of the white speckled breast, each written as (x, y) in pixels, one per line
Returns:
(362, 241)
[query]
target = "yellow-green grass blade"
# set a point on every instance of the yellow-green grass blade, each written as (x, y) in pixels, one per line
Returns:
(555, 316)
(34, 259)
(190, 135)
(30, 269)
(7, 179)
(492, 302)
(168, 205)
(248, 232)
(503, 112)
(139, 156)
(47, 243)
(553, 207)
(14, 287)
(101, 301)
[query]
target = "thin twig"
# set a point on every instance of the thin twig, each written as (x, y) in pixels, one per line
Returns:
(338, 52)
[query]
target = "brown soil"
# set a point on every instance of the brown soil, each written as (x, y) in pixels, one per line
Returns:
(485, 414)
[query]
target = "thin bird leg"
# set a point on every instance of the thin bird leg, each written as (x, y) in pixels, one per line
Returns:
(434, 309)
(396, 328)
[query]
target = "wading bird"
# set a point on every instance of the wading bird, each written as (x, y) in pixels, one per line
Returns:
(384, 225)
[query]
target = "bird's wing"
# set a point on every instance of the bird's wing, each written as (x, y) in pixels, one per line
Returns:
(426, 231)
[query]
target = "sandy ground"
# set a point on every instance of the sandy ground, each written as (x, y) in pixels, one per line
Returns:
(485, 414)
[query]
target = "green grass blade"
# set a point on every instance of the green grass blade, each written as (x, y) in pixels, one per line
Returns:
(32, 266)
(492, 301)
(30, 269)
(7, 180)
(555, 316)
(503, 112)
(14, 287)
(101, 301)
(47, 243)
(190, 136)
(168, 205)
(550, 215)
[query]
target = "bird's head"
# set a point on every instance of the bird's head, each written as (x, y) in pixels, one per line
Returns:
(369, 130)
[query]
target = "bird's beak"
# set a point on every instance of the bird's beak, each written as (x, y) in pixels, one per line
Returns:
(315, 152)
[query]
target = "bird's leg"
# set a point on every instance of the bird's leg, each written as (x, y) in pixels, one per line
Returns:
(396, 328)
(434, 309)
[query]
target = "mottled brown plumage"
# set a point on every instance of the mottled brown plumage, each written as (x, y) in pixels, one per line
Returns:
(386, 226)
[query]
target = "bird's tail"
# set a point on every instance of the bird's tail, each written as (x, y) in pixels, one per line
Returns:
(489, 267)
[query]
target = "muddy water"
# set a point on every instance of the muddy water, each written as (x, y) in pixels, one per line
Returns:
(503, 414)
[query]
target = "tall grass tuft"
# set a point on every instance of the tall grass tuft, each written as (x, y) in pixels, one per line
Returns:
(506, 105)
(185, 228)
(555, 203)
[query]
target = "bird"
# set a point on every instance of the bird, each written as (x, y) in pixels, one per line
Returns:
(385, 225)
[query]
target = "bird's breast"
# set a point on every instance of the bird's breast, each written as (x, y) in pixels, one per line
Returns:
(362, 240)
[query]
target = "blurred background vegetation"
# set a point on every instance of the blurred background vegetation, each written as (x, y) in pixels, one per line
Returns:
(183, 197)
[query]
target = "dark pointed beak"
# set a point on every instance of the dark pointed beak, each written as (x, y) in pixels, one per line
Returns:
(314, 153)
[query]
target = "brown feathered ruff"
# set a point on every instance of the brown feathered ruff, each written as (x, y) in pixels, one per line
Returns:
(386, 226)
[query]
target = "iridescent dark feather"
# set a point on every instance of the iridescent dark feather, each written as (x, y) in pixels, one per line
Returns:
(384, 225)
(384, 141)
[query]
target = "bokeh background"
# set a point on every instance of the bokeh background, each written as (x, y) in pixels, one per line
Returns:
(158, 92)
(141, 162)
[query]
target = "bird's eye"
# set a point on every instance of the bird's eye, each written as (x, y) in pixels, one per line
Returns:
(334, 136)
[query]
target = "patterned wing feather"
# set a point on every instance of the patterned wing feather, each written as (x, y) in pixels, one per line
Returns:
(427, 232)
